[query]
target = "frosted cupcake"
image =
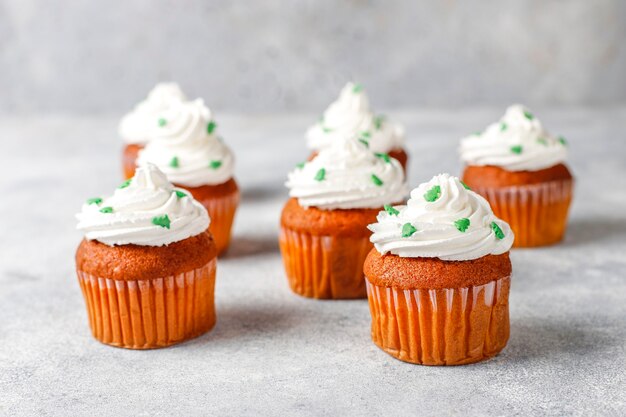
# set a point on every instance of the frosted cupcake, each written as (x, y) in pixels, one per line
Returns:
(324, 237)
(438, 279)
(349, 117)
(186, 147)
(147, 264)
(520, 169)
(135, 126)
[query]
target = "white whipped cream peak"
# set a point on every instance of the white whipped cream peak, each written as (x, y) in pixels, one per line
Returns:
(350, 116)
(442, 219)
(145, 210)
(135, 126)
(348, 175)
(518, 142)
(185, 146)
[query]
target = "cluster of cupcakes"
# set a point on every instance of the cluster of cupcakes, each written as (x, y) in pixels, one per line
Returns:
(435, 269)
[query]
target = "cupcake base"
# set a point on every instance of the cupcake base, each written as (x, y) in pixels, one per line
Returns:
(129, 158)
(150, 313)
(451, 326)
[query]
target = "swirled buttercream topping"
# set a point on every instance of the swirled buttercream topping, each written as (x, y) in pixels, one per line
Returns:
(442, 219)
(518, 142)
(348, 175)
(145, 210)
(350, 116)
(185, 146)
(136, 126)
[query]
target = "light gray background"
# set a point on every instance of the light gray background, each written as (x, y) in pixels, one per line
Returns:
(91, 56)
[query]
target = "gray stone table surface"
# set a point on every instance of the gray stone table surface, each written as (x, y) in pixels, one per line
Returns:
(272, 352)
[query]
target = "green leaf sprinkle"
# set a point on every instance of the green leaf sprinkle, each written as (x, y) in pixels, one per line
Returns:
(503, 126)
(562, 141)
(326, 129)
(378, 121)
(364, 142)
(384, 156)
(377, 180)
(357, 88)
(365, 134)
(464, 185)
(106, 210)
(215, 164)
(300, 165)
(94, 200)
(163, 221)
(542, 141)
(433, 194)
(180, 194)
(174, 162)
(517, 149)
(125, 183)
(321, 175)
(162, 122)
(408, 229)
(496, 229)
(477, 133)
(391, 210)
(528, 115)
(462, 224)
(211, 127)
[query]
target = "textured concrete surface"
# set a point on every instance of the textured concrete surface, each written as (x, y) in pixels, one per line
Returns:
(87, 57)
(274, 353)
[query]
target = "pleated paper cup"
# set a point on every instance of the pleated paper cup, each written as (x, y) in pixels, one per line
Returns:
(537, 213)
(150, 313)
(451, 326)
(222, 210)
(326, 267)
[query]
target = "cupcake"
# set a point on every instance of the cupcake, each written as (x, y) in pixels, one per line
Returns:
(186, 147)
(135, 126)
(323, 227)
(350, 116)
(520, 169)
(147, 263)
(438, 278)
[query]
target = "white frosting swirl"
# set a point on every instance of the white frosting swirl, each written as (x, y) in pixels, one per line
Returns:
(184, 145)
(518, 142)
(348, 175)
(137, 124)
(444, 220)
(350, 116)
(146, 210)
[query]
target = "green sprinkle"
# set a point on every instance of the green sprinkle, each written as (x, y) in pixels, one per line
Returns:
(365, 134)
(211, 127)
(517, 149)
(94, 200)
(408, 229)
(378, 121)
(562, 141)
(174, 162)
(215, 164)
(377, 180)
(162, 122)
(464, 185)
(364, 142)
(433, 194)
(462, 224)
(125, 183)
(321, 175)
(106, 210)
(180, 194)
(503, 126)
(477, 133)
(326, 129)
(542, 141)
(385, 157)
(528, 115)
(357, 88)
(300, 165)
(163, 221)
(391, 210)
(496, 229)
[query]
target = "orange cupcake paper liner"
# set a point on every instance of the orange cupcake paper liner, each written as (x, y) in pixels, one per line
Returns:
(451, 326)
(537, 213)
(153, 313)
(325, 267)
(222, 212)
